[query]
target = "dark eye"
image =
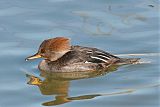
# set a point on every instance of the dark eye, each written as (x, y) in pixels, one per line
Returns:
(42, 51)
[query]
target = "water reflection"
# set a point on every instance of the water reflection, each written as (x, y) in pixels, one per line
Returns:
(57, 84)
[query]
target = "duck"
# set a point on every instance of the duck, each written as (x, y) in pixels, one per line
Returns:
(60, 56)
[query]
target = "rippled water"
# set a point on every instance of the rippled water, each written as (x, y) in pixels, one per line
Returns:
(117, 26)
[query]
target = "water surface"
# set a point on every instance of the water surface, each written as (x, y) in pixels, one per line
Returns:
(116, 26)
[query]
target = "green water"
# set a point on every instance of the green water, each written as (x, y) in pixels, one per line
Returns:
(116, 26)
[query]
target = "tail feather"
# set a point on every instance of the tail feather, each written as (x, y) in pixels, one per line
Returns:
(125, 61)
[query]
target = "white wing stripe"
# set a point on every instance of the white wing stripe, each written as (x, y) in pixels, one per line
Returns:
(102, 53)
(99, 59)
(99, 52)
(104, 56)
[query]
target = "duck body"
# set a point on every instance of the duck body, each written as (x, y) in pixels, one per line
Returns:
(81, 58)
(60, 56)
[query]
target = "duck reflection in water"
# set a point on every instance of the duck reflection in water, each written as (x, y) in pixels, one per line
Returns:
(57, 84)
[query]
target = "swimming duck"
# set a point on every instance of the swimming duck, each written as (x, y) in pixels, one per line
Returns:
(60, 56)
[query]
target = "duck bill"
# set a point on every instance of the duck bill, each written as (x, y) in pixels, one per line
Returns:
(33, 57)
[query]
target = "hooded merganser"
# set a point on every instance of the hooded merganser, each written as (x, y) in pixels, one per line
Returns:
(60, 56)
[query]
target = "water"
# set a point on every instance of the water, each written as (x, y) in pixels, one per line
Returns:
(116, 26)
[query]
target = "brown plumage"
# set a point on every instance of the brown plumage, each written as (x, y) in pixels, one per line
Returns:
(57, 44)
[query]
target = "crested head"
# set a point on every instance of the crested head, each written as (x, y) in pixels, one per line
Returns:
(52, 49)
(58, 44)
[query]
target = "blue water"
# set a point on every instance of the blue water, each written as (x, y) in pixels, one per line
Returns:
(116, 26)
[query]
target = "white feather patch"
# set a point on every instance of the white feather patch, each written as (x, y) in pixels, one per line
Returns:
(99, 58)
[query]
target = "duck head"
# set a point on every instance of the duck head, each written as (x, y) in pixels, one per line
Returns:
(52, 49)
